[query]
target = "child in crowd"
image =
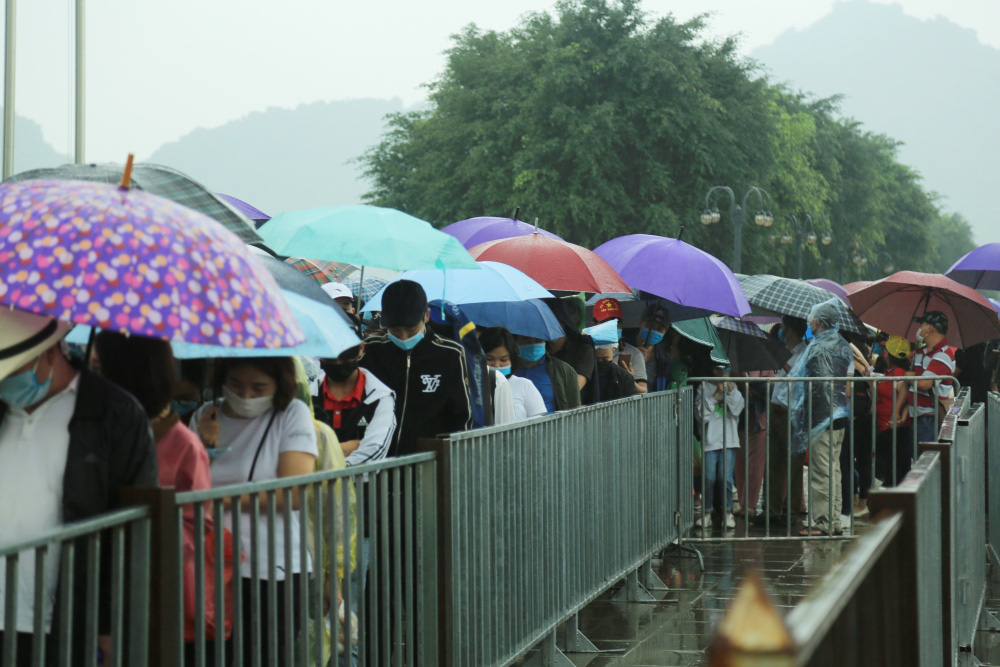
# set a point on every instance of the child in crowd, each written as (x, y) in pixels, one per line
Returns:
(719, 404)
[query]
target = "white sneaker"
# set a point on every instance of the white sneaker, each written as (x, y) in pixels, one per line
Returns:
(730, 521)
(703, 521)
(736, 506)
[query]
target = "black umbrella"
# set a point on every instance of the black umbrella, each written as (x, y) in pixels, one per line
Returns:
(749, 348)
(158, 180)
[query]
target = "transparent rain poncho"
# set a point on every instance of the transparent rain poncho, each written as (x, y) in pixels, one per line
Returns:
(829, 355)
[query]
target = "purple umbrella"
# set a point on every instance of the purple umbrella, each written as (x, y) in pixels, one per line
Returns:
(831, 287)
(677, 272)
(129, 261)
(246, 209)
(979, 269)
(474, 231)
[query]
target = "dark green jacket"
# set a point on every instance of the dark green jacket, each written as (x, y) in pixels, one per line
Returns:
(565, 386)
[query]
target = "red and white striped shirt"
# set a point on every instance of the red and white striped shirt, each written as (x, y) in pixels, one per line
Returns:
(939, 360)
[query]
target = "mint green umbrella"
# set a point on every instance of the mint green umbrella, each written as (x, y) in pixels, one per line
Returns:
(701, 331)
(365, 236)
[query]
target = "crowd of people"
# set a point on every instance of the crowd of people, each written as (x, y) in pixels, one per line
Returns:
(75, 432)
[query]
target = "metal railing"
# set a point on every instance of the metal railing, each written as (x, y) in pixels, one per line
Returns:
(880, 604)
(768, 474)
(539, 518)
(993, 474)
(100, 604)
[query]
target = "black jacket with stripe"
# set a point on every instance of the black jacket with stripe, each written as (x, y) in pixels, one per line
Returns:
(431, 383)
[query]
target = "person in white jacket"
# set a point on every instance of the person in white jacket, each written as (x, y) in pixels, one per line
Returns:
(718, 406)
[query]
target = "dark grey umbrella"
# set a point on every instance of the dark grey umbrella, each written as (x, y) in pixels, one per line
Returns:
(158, 180)
(774, 295)
(749, 348)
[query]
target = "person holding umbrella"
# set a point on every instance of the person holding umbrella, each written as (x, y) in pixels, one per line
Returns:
(653, 325)
(935, 357)
(70, 442)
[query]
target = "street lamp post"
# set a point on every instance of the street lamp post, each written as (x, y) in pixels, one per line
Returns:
(737, 212)
(801, 235)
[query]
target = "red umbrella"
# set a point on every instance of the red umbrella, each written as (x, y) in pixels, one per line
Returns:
(555, 264)
(851, 288)
(891, 304)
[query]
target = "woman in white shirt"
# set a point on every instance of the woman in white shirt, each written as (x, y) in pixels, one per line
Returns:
(258, 432)
(717, 406)
(500, 349)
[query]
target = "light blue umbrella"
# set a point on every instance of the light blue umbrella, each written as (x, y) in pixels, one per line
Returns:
(366, 236)
(327, 335)
(526, 318)
(490, 282)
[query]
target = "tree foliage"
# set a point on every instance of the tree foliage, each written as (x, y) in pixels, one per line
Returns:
(601, 122)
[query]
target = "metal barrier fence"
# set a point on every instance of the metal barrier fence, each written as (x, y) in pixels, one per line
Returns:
(993, 474)
(880, 605)
(764, 475)
(296, 561)
(539, 518)
(99, 604)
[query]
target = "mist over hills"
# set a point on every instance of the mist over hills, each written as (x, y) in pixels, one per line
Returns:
(929, 84)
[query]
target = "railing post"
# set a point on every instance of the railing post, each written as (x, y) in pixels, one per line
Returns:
(444, 556)
(944, 450)
(166, 636)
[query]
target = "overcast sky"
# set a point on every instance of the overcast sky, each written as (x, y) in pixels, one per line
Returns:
(157, 69)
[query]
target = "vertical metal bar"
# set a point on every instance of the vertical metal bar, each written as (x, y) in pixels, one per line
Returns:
(10, 56)
(255, 602)
(117, 593)
(273, 631)
(853, 387)
(345, 538)
(140, 539)
(199, 584)
(746, 461)
(289, 570)
(236, 522)
(219, 533)
(38, 639)
(397, 573)
(894, 427)
(90, 620)
(374, 564)
(831, 520)
(65, 648)
(788, 457)
(178, 574)
(80, 92)
(809, 426)
(384, 637)
(334, 541)
(10, 611)
(305, 573)
(321, 583)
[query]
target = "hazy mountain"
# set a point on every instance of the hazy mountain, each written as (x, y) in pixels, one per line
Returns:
(30, 148)
(930, 84)
(283, 159)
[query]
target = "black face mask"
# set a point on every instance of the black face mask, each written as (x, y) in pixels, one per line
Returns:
(340, 372)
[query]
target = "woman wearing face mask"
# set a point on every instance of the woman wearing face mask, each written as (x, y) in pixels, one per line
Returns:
(501, 355)
(260, 432)
(555, 380)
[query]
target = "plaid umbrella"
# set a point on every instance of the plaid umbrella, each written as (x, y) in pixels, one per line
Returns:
(774, 295)
(372, 286)
(323, 272)
(163, 181)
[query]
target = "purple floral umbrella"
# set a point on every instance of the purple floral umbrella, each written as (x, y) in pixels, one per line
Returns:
(128, 261)
(677, 272)
(978, 269)
(474, 231)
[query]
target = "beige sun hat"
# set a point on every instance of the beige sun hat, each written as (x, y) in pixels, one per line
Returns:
(24, 336)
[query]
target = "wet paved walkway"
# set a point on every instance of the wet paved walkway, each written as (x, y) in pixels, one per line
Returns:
(987, 647)
(677, 629)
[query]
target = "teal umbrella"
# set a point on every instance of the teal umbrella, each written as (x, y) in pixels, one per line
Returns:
(701, 331)
(366, 236)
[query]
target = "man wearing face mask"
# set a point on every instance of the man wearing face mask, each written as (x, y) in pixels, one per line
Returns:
(625, 355)
(554, 379)
(69, 443)
(358, 406)
(935, 357)
(653, 327)
(429, 374)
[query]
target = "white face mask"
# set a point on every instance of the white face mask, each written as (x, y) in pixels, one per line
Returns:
(248, 408)
(920, 336)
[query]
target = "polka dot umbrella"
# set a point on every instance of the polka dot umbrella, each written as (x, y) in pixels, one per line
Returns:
(129, 261)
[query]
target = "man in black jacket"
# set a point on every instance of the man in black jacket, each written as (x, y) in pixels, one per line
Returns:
(428, 373)
(69, 443)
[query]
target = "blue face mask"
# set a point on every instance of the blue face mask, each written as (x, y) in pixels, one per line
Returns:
(809, 334)
(781, 336)
(409, 343)
(504, 370)
(877, 350)
(531, 352)
(24, 389)
(649, 337)
(184, 408)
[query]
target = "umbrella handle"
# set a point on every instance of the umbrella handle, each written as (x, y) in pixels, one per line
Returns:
(127, 175)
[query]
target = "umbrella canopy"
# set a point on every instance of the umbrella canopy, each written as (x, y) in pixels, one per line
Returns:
(290, 280)
(158, 180)
(474, 231)
(831, 287)
(492, 282)
(524, 318)
(251, 212)
(749, 348)
(774, 295)
(366, 236)
(372, 286)
(851, 288)
(996, 304)
(891, 304)
(978, 269)
(677, 272)
(129, 261)
(702, 332)
(326, 335)
(556, 265)
(322, 272)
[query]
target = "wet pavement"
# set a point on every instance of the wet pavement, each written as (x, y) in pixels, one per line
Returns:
(676, 629)
(987, 647)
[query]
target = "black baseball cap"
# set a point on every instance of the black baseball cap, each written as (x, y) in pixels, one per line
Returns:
(935, 318)
(404, 304)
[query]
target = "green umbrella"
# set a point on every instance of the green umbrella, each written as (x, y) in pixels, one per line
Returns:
(365, 236)
(702, 332)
